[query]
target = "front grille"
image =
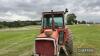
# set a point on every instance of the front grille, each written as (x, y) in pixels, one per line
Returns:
(44, 47)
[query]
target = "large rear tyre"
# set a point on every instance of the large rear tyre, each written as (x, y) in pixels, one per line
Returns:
(69, 46)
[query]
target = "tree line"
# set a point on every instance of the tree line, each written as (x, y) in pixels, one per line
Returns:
(70, 18)
(5, 24)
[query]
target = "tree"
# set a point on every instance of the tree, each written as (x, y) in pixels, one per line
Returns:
(79, 22)
(83, 22)
(71, 18)
(75, 21)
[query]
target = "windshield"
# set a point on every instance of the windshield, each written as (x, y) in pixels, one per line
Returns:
(58, 22)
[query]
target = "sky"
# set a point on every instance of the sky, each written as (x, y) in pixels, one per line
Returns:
(12, 10)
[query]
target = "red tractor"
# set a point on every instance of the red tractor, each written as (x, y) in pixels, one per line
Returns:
(54, 39)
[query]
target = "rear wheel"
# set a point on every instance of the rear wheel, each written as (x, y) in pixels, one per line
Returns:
(69, 46)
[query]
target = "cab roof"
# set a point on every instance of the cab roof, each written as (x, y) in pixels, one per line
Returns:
(57, 13)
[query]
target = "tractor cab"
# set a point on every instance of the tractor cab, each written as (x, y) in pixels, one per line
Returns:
(53, 20)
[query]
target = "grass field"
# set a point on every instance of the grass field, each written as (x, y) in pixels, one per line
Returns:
(19, 41)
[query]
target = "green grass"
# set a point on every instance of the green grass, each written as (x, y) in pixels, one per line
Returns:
(20, 41)
(15, 42)
(85, 36)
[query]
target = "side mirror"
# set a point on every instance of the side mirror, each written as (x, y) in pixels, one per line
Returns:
(66, 10)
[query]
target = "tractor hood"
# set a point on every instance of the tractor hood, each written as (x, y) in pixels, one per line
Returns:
(46, 43)
(48, 33)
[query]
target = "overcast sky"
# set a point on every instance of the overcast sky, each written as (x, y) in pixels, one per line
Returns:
(11, 10)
